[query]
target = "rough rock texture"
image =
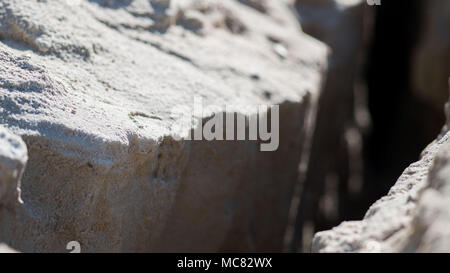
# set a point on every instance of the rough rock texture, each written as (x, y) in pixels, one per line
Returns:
(89, 85)
(413, 217)
(431, 68)
(431, 65)
(333, 174)
(13, 157)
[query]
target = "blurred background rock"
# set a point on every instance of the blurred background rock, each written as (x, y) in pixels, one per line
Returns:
(382, 103)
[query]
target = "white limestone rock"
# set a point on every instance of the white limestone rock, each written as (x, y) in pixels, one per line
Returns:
(90, 87)
(13, 158)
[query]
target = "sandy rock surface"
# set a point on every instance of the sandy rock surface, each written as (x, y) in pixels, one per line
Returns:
(13, 158)
(89, 85)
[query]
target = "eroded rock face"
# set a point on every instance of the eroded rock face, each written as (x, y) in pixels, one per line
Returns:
(429, 231)
(413, 217)
(13, 158)
(90, 87)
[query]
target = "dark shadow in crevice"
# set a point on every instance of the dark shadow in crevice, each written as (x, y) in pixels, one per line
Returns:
(402, 124)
